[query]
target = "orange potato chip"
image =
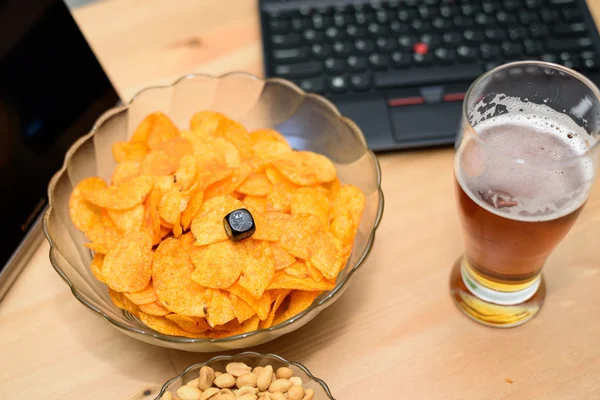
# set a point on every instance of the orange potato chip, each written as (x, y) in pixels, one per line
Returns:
(128, 220)
(86, 216)
(230, 183)
(217, 148)
(306, 168)
(97, 248)
(282, 257)
(277, 178)
(299, 233)
(172, 279)
(120, 197)
(297, 270)
(125, 172)
(207, 226)
(260, 306)
(258, 267)
(219, 265)
(237, 134)
(96, 266)
(206, 122)
(189, 324)
(347, 211)
(327, 254)
(157, 163)
(279, 295)
(279, 199)
(220, 309)
(299, 301)
(281, 280)
(111, 233)
(267, 151)
(310, 200)
(151, 222)
(185, 174)
(256, 184)
(154, 308)
(169, 207)
(176, 148)
(123, 303)
(192, 208)
(241, 309)
(166, 327)
(144, 296)
(255, 202)
(129, 151)
(154, 130)
(314, 273)
(164, 232)
(128, 266)
(262, 135)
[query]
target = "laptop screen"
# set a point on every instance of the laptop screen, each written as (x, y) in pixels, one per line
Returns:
(52, 90)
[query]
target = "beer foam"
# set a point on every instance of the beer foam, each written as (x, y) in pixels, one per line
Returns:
(514, 170)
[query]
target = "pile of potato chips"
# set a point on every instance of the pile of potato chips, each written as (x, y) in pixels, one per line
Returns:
(157, 231)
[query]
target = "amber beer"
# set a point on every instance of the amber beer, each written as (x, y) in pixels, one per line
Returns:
(513, 219)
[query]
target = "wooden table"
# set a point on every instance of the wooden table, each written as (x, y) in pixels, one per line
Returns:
(395, 334)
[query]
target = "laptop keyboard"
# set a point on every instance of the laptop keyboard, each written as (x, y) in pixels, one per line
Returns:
(357, 48)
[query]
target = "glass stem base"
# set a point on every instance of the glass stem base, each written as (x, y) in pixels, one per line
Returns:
(487, 306)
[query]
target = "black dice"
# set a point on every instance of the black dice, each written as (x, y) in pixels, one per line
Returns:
(239, 224)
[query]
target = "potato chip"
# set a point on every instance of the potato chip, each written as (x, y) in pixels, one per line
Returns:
(128, 266)
(299, 233)
(164, 232)
(306, 168)
(123, 303)
(267, 151)
(310, 200)
(166, 327)
(327, 254)
(262, 135)
(297, 270)
(313, 272)
(185, 174)
(281, 280)
(128, 220)
(169, 207)
(207, 226)
(111, 234)
(157, 163)
(129, 151)
(176, 148)
(279, 295)
(347, 211)
(298, 301)
(189, 324)
(206, 122)
(154, 130)
(258, 267)
(125, 172)
(256, 184)
(86, 217)
(235, 132)
(172, 279)
(120, 197)
(144, 296)
(279, 199)
(97, 248)
(230, 183)
(220, 309)
(154, 308)
(260, 306)
(96, 266)
(218, 148)
(256, 202)
(277, 178)
(241, 309)
(282, 257)
(151, 222)
(219, 265)
(192, 208)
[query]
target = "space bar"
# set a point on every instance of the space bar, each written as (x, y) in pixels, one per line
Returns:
(420, 76)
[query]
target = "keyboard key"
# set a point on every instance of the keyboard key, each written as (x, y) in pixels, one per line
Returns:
(590, 64)
(538, 31)
(379, 62)
(342, 49)
(421, 76)
(357, 63)
(337, 84)
(570, 60)
(511, 5)
(400, 60)
(510, 49)
(532, 48)
(364, 46)
(442, 24)
(334, 65)
(300, 24)
(279, 25)
(466, 54)
(423, 60)
(421, 26)
(320, 51)
(550, 16)
(495, 34)
(548, 58)
(431, 40)
(385, 45)
(334, 33)
(574, 29)
(300, 70)
(504, 18)
(517, 33)
(291, 55)
(489, 52)
(473, 37)
(482, 19)
(286, 41)
(406, 42)
(406, 15)
(444, 56)
(398, 27)
(569, 44)
(463, 22)
(570, 14)
(360, 82)
(355, 31)
(527, 17)
(316, 84)
(452, 38)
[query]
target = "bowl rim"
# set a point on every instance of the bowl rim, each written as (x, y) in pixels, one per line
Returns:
(180, 339)
(233, 357)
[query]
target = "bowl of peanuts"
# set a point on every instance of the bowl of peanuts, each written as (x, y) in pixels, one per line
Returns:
(245, 376)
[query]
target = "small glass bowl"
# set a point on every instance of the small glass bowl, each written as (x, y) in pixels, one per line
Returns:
(308, 121)
(309, 381)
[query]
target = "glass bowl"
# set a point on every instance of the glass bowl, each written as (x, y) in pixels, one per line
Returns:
(309, 381)
(308, 121)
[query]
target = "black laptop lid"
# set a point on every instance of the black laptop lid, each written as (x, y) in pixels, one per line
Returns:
(52, 89)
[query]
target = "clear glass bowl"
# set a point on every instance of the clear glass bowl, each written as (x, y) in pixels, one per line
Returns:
(308, 121)
(309, 381)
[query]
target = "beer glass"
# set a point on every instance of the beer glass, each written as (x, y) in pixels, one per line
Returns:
(525, 159)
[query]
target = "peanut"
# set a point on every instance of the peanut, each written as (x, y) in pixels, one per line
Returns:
(189, 393)
(295, 393)
(166, 396)
(193, 382)
(224, 394)
(284, 373)
(278, 396)
(280, 385)
(247, 379)
(224, 381)
(296, 380)
(309, 394)
(218, 373)
(237, 368)
(245, 390)
(265, 378)
(207, 377)
(248, 396)
(257, 370)
(208, 393)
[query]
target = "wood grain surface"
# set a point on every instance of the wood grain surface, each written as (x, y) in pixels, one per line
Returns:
(394, 334)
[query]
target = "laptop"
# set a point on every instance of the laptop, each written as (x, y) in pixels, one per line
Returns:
(400, 68)
(52, 90)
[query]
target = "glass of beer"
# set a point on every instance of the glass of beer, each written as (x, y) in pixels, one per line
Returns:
(525, 159)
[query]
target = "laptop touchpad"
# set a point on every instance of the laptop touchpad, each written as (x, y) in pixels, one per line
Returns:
(425, 121)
